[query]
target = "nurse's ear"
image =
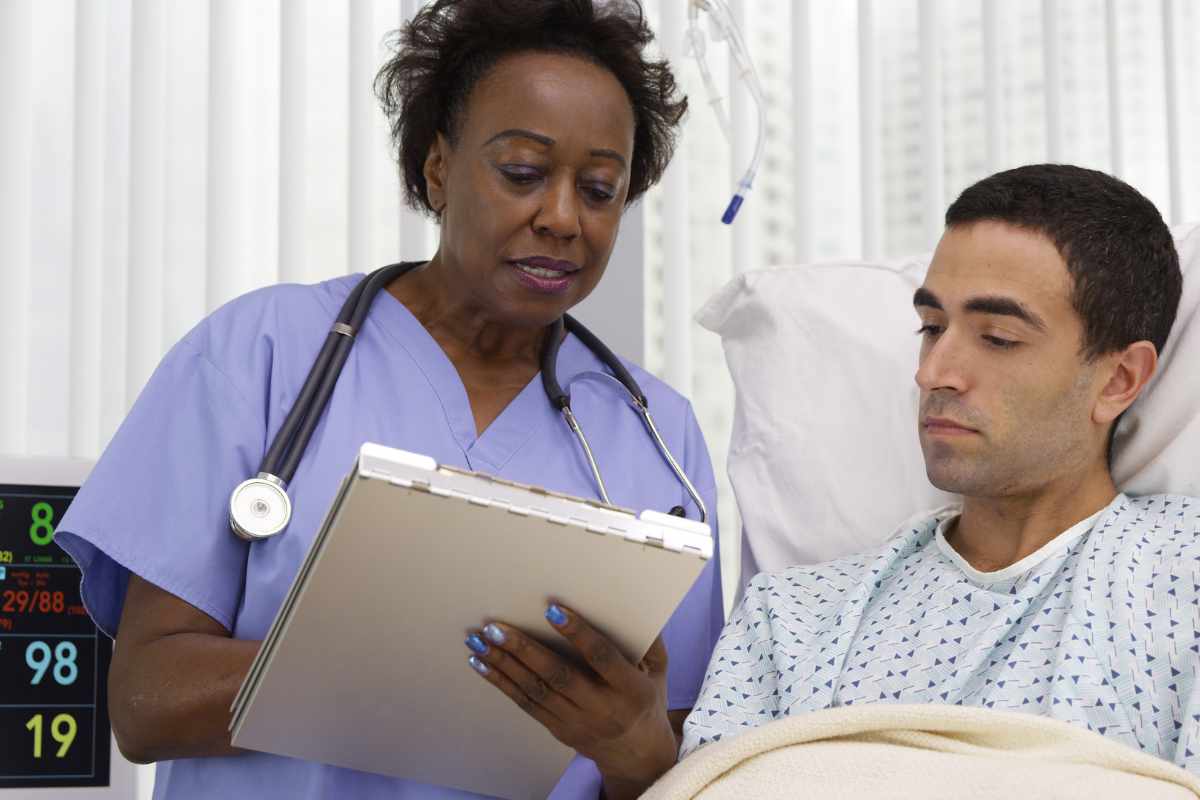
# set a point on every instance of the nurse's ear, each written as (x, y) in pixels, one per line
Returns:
(437, 164)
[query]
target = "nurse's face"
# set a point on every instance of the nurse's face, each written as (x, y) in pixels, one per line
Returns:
(1007, 396)
(532, 192)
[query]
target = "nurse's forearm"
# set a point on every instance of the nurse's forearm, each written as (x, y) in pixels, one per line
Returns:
(175, 702)
(174, 674)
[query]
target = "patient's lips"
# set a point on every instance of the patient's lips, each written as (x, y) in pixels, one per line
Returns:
(941, 426)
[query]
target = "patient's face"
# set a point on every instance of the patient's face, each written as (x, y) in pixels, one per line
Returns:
(1006, 396)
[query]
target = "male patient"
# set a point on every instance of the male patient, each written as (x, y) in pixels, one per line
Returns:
(1046, 305)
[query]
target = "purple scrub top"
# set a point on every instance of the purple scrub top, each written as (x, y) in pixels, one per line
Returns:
(157, 502)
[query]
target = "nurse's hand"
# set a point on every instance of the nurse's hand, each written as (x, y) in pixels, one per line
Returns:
(614, 713)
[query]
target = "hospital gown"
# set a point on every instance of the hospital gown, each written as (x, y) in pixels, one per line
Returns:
(157, 501)
(1100, 628)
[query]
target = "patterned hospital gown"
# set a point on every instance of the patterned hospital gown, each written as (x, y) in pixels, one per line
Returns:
(1100, 627)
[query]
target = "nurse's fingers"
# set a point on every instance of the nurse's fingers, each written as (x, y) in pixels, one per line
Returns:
(532, 686)
(508, 686)
(541, 670)
(604, 657)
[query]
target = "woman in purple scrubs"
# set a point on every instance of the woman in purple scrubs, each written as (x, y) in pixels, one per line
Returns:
(526, 127)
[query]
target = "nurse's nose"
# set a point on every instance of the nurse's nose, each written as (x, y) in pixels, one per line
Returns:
(558, 215)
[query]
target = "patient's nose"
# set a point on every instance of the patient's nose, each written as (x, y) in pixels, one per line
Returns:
(941, 366)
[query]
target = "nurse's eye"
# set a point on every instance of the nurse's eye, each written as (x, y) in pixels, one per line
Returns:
(520, 175)
(599, 193)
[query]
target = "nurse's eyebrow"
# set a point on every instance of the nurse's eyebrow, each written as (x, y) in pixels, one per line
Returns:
(520, 133)
(546, 141)
(986, 304)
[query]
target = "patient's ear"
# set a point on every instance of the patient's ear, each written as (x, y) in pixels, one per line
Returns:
(1130, 370)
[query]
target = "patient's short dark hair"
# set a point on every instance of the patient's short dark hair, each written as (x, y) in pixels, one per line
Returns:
(1119, 252)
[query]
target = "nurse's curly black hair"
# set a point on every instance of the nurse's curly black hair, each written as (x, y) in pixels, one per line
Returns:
(450, 45)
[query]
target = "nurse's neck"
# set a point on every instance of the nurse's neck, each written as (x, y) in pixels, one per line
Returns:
(463, 321)
(995, 532)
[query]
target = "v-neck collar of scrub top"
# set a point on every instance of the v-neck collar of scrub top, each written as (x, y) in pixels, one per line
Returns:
(519, 420)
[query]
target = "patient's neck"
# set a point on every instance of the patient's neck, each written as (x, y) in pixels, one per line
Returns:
(996, 532)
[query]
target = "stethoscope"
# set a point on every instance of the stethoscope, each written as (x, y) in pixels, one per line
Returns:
(260, 508)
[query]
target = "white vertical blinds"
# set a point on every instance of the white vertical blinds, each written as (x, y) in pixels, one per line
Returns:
(160, 157)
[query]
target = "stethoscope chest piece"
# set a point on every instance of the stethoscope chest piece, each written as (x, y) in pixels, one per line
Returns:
(259, 508)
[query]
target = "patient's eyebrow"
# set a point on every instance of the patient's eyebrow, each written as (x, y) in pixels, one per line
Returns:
(924, 297)
(985, 304)
(1005, 306)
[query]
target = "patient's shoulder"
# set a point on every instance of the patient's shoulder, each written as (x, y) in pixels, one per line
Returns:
(1147, 533)
(810, 578)
(830, 581)
(1156, 519)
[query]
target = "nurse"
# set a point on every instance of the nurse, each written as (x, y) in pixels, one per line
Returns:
(526, 128)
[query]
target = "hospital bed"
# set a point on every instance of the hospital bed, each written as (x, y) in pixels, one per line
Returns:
(825, 461)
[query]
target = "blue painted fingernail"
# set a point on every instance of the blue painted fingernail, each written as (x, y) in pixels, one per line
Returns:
(476, 644)
(478, 665)
(556, 616)
(494, 634)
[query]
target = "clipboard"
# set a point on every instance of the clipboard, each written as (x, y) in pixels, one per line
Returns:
(364, 666)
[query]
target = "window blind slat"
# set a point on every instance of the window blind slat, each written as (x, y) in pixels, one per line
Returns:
(87, 261)
(677, 273)
(868, 131)
(932, 131)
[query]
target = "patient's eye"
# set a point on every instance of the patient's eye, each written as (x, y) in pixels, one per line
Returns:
(1003, 344)
(929, 330)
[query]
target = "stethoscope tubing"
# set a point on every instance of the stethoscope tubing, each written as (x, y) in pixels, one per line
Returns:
(282, 458)
(345, 340)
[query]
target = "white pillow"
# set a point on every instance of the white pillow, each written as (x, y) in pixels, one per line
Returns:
(824, 457)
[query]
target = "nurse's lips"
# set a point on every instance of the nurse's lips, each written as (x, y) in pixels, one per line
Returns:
(544, 274)
(940, 426)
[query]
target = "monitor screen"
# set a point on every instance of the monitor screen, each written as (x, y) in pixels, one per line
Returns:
(53, 661)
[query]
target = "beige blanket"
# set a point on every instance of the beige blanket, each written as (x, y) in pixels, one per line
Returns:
(923, 752)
